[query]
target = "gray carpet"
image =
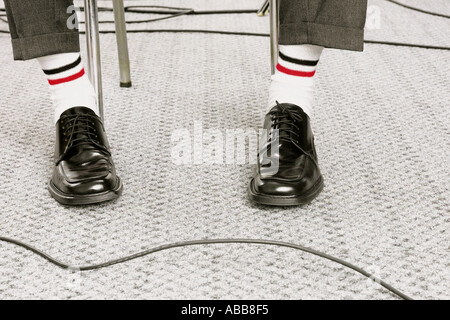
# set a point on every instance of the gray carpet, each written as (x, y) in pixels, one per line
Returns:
(382, 131)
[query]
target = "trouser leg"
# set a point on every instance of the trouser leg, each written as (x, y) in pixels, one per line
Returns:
(328, 23)
(40, 27)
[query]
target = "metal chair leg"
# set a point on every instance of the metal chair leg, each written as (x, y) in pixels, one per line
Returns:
(122, 43)
(274, 33)
(264, 9)
(93, 50)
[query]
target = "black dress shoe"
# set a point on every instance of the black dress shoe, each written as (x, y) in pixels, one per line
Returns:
(84, 172)
(290, 175)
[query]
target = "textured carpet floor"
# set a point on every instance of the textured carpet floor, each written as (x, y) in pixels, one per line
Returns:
(382, 131)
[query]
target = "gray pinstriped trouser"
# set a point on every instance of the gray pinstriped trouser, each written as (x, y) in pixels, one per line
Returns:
(39, 27)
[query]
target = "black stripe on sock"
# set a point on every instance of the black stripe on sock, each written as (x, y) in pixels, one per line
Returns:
(64, 68)
(309, 63)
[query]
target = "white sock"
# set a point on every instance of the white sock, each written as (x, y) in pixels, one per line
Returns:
(293, 81)
(69, 85)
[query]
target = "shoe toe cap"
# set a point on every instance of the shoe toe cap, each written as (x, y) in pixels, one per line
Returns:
(85, 179)
(277, 188)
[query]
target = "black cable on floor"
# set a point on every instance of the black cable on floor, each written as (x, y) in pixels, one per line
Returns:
(136, 9)
(206, 242)
(173, 13)
(418, 9)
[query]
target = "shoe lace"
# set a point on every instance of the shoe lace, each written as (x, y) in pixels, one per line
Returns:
(79, 129)
(285, 120)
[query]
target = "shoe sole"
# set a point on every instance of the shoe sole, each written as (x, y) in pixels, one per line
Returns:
(79, 200)
(284, 201)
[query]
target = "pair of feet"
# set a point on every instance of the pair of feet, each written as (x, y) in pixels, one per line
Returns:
(288, 172)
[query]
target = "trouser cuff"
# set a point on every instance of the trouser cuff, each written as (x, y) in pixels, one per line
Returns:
(45, 44)
(328, 36)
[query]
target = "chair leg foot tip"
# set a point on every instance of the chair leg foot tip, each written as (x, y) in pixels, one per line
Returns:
(125, 84)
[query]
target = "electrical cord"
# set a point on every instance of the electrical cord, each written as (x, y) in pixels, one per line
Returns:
(418, 10)
(206, 242)
(135, 9)
(186, 11)
(171, 14)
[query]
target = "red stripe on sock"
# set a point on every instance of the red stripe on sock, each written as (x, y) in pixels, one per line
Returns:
(67, 79)
(294, 72)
